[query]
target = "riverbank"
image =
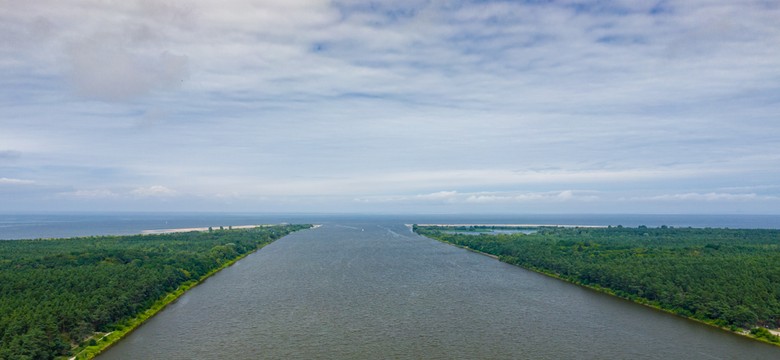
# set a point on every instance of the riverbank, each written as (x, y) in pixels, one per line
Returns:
(91, 351)
(125, 328)
(758, 333)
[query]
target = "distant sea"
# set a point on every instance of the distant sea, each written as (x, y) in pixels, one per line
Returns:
(35, 226)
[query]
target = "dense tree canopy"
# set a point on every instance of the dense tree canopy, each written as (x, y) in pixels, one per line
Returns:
(728, 277)
(55, 293)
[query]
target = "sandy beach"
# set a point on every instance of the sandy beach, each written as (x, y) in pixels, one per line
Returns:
(179, 230)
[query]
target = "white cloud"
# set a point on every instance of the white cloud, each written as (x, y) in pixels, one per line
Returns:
(107, 51)
(103, 70)
(409, 181)
(11, 181)
(554, 196)
(455, 197)
(93, 194)
(711, 196)
(441, 195)
(153, 191)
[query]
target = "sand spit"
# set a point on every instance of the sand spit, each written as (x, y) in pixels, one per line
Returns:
(180, 230)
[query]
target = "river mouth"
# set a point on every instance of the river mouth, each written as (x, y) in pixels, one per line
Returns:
(354, 290)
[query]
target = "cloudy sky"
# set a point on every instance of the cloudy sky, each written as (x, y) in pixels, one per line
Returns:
(404, 106)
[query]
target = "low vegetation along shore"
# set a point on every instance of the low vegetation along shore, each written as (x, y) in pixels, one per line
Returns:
(728, 278)
(73, 298)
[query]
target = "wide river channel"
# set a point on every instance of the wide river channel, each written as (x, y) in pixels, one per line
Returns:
(376, 290)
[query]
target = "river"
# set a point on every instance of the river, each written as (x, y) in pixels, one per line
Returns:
(376, 290)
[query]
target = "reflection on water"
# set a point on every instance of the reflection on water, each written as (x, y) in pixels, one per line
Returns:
(375, 290)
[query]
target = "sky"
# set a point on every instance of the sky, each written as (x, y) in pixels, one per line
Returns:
(404, 106)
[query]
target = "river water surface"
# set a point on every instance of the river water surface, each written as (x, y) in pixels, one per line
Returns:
(376, 290)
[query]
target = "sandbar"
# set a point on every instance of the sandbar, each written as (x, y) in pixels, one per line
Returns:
(180, 230)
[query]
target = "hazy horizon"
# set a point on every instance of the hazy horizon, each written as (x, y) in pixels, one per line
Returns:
(396, 107)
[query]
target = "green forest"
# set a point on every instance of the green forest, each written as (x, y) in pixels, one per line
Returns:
(725, 277)
(57, 294)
